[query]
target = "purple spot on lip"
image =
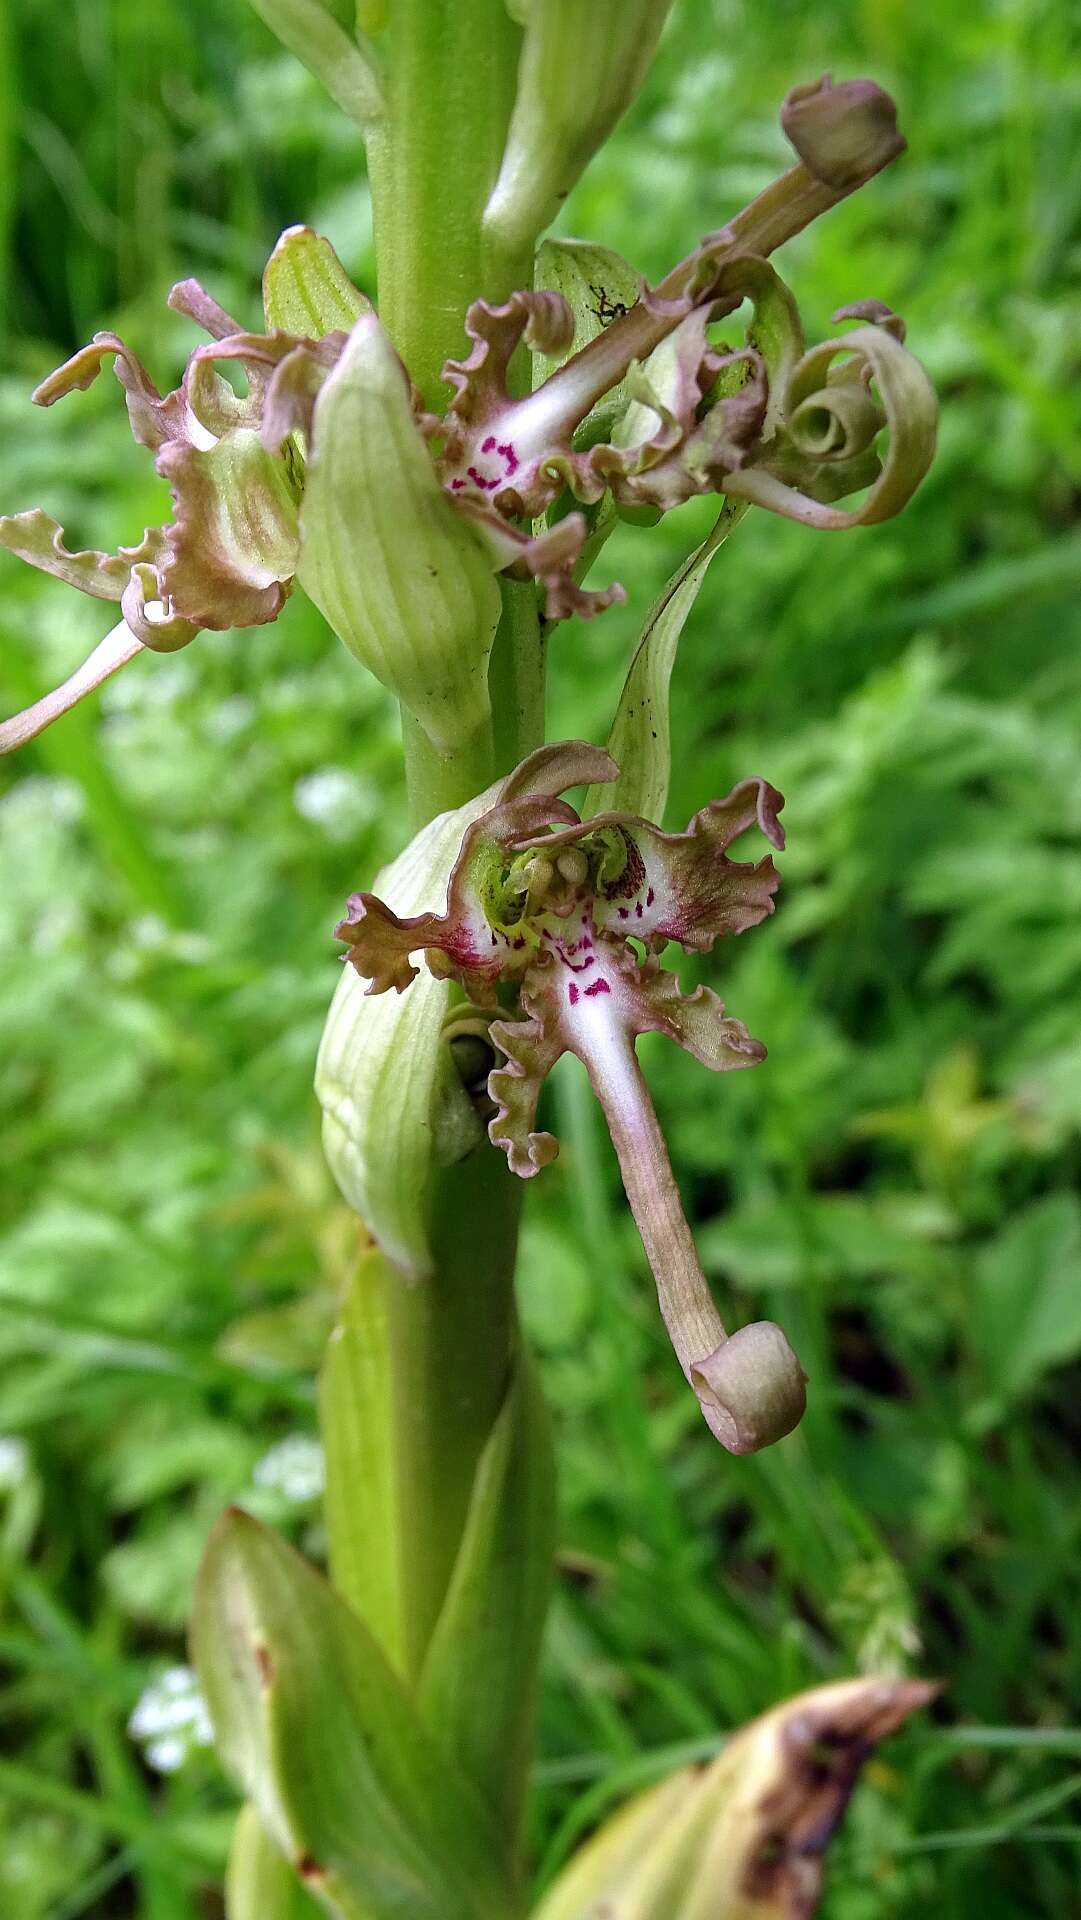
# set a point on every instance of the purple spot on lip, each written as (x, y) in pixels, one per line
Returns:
(638, 909)
(509, 455)
(487, 445)
(599, 986)
(518, 944)
(650, 897)
(624, 913)
(589, 961)
(572, 994)
(456, 486)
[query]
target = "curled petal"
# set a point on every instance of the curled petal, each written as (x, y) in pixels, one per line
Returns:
(876, 313)
(112, 653)
(154, 420)
(292, 391)
(151, 617)
(233, 544)
(911, 412)
(38, 539)
(554, 768)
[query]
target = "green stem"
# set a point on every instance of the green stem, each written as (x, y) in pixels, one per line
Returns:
(516, 676)
(435, 783)
(453, 1340)
(451, 72)
(449, 78)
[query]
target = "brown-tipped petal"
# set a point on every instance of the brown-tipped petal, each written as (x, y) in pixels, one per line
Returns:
(117, 648)
(552, 769)
(876, 313)
(751, 1388)
(844, 134)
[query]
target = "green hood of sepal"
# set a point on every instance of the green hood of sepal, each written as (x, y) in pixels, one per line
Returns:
(400, 576)
(318, 1732)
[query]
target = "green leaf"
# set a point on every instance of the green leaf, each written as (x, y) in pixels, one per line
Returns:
(478, 1686)
(259, 1883)
(306, 290)
(598, 285)
(1028, 1301)
(640, 739)
(743, 1838)
(317, 1730)
(357, 1421)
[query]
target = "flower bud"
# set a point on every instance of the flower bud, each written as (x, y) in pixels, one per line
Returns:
(401, 577)
(843, 134)
(582, 63)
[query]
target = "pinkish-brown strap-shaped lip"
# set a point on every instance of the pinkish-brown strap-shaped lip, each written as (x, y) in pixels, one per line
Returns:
(112, 653)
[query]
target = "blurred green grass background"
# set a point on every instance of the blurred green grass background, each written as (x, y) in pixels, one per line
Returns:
(898, 1185)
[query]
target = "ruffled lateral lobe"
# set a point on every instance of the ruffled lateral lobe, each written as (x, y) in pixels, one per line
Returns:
(572, 998)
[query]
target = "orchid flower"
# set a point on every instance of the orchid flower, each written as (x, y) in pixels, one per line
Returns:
(545, 906)
(396, 520)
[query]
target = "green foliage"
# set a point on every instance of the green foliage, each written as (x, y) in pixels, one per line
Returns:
(897, 1183)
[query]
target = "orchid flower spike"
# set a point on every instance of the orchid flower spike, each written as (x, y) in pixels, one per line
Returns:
(545, 905)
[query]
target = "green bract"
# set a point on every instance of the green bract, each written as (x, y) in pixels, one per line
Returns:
(400, 576)
(582, 63)
(314, 1725)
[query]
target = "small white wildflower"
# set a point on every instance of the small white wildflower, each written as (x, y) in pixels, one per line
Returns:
(336, 800)
(170, 1718)
(294, 1468)
(14, 1462)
